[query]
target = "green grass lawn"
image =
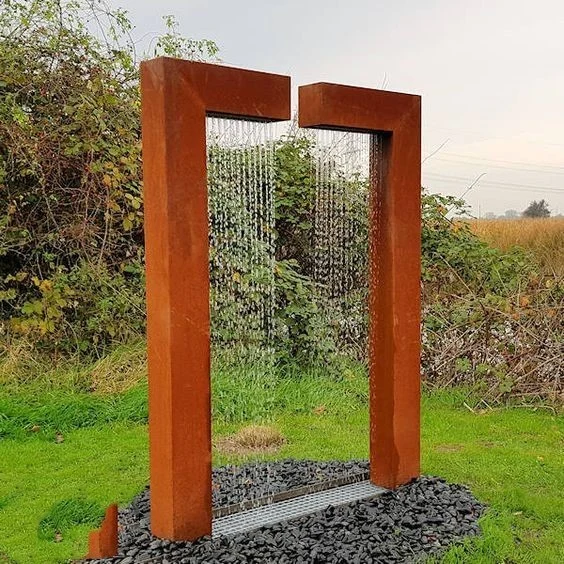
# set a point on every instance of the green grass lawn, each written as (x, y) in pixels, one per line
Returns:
(511, 458)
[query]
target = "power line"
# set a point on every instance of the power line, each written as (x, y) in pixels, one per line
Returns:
(503, 167)
(507, 189)
(486, 135)
(472, 157)
(514, 188)
(494, 184)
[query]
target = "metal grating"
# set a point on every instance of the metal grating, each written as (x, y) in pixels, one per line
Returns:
(253, 503)
(292, 508)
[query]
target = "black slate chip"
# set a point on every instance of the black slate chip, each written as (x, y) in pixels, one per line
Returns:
(405, 525)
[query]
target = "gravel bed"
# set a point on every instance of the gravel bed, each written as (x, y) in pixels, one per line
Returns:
(414, 521)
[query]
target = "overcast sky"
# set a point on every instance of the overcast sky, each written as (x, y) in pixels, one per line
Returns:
(491, 75)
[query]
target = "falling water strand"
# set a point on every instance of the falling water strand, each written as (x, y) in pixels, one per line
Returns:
(241, 162)
(375, 210)
(340, 238)
(241, 228)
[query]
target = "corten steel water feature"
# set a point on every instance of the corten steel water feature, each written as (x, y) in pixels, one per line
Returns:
(395, 255)
(176, 97)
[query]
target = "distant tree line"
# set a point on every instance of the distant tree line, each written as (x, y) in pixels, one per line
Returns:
(536, 209)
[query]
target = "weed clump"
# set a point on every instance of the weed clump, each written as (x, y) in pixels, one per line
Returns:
(252, 439)
(66, 514)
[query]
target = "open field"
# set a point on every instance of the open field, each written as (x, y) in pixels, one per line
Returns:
(60, 444)
(544, 238)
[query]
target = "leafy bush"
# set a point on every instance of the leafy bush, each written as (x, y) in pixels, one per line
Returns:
(71, 210)
(453, 256)
(490, 318)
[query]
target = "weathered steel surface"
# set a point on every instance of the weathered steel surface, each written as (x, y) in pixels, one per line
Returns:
(395, 244)
(176, 97)
(103, 543)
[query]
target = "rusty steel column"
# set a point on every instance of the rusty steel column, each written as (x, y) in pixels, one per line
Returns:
(176, 97)
(395, 233)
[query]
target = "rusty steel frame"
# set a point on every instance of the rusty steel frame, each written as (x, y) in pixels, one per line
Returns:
(176, 97)
(395, 255)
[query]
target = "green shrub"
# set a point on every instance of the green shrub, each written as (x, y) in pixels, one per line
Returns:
(452, 256)
(71, 206)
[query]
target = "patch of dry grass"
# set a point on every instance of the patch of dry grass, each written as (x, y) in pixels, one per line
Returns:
(544, 238)
(122, 369)
(252, 439)
(17, 364)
